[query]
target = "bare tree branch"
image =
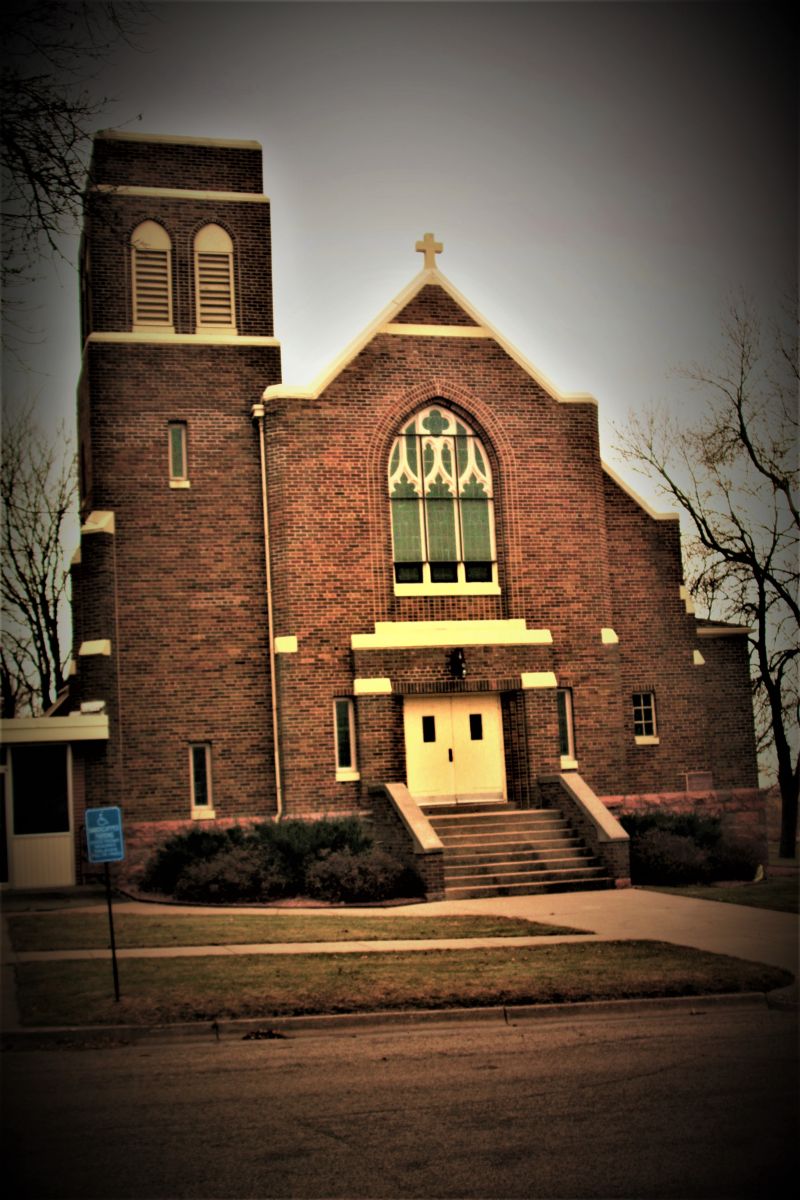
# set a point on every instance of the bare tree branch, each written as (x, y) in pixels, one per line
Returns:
(736, 474)
(50, 49)
(37, 494)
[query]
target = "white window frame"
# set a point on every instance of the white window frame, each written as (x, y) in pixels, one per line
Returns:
(345, 772)
(147, 240)
(201, 812)
(178, 479)
(568, 760)
(644, 715)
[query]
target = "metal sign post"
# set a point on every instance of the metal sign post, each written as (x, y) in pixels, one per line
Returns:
(105, 844)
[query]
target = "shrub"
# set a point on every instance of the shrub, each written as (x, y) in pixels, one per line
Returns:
(735, 858)
(182, 851)
(704, 831)
(681, 848)
(370, 875)
(297, 843)
(661, 857)
(242, 872)
(328, 859)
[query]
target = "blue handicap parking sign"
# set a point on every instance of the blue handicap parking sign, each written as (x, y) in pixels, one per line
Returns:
(104, 840)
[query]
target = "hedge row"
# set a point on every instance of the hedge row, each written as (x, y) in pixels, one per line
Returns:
(326, 860)
(673, 849)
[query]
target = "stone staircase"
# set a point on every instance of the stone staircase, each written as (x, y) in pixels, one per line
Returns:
(498, 850)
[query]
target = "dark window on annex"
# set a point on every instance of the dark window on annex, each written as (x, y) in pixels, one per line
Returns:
(41, 794)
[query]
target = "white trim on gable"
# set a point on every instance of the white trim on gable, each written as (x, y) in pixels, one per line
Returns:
(432, 276)
(628, 490)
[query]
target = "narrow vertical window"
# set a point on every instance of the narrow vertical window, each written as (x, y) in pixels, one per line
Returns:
(200, 779)
(213, 278)
(566, 729)
(151, 276)
(345, 740)
(176, 442)
(644, 716)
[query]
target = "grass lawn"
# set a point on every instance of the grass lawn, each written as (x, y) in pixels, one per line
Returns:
(89, 931)
(160, 991)
(782, 895)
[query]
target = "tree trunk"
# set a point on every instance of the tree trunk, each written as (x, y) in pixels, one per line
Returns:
(788, 784)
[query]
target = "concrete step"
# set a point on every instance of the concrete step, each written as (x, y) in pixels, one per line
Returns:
(523, 840)
(552, 828)
(481, 891)
(513, 872)
(468, 808)
(459, 862)
(517, 818)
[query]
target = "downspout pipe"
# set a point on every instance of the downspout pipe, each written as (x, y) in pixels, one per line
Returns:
(258, 414)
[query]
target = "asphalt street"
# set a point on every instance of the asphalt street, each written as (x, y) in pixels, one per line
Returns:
(697, 1102)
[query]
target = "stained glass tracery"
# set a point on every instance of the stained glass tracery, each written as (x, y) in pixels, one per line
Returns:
(440, 489)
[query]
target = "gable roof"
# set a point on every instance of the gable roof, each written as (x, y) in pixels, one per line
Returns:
(394, 319)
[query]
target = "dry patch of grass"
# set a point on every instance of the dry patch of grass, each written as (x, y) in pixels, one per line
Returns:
(160, 991)
(89, 931)
(780, 895)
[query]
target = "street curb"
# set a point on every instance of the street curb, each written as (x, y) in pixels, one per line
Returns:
(269, 1028)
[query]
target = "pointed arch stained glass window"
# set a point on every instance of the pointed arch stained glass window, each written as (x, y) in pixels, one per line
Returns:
(442, 503)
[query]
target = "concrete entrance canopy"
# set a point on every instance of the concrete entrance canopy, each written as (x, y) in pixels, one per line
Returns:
(406, 635)
(78, 727)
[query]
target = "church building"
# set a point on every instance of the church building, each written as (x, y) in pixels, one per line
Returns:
(412, 592)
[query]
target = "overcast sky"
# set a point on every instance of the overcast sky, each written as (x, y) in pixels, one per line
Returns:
(604, 176)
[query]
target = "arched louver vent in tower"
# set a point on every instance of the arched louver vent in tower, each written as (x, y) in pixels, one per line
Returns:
(151, 271)
(213, 269)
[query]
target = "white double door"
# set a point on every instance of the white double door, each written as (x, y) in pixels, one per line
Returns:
(454, 748)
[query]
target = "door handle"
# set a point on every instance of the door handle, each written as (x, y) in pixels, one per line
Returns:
(450, 755)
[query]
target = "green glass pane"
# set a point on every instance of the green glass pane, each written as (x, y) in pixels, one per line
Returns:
(344, 753)
(395, 461)
(177, 467)
(473, 489)
(435, 423)
(406, 531)
(563, 727)
(200, 776)
(476, 530)
(462, 451)
(439, 490)
(411, 451)
(404, 489)
(441, 518)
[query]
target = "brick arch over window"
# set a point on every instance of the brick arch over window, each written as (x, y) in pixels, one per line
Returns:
(151, 276)
(213, 280)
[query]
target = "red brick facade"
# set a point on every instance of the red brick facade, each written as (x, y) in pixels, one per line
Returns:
(177, 585)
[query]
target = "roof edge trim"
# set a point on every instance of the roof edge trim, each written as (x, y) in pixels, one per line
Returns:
(429, 275)
(118, 135)
(629, 491)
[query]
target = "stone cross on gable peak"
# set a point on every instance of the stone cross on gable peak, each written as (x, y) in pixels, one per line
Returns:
(430, 248)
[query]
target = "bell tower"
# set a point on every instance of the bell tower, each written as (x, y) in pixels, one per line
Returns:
(168, 585)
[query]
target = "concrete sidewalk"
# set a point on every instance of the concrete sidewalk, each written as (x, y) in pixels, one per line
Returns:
(758, 935)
